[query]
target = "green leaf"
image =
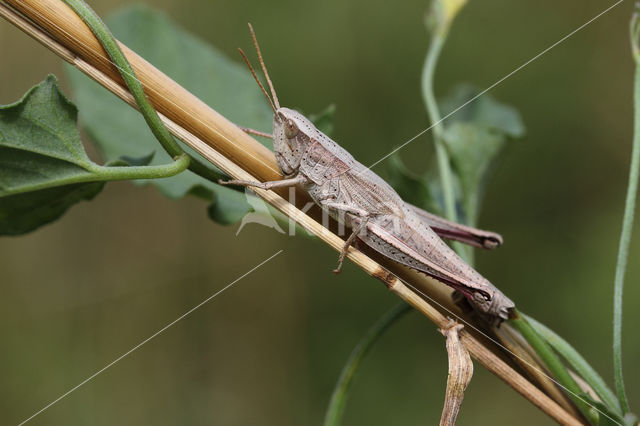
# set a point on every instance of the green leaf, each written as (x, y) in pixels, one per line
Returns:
(39, 143)
(472, 149)
(323, 120)
(228, 207)
(483, 111)
(474, 136)
(226, 85)
(22, 213)
(40, 151)
(44, 168)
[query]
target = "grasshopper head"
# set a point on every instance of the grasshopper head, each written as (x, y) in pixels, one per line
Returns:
(291, 130)
(497, 305)
(292, 133)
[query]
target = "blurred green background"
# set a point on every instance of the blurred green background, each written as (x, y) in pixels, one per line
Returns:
(79, 293)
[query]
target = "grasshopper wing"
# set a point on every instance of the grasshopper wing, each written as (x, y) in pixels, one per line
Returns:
(407, 240)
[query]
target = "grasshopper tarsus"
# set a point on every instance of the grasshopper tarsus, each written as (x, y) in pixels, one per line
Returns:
(245, 183)
(343, 253)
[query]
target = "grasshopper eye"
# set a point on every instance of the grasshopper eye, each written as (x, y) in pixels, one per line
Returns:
(481, 297)
(290, 129)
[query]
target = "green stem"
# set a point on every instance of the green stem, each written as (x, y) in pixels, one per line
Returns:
(446, 175)
(180, 164)
(338, 401)
(576, 360)
(627, 226)
(444, 165)
(98, 173)
(159, 130)
(553, 363)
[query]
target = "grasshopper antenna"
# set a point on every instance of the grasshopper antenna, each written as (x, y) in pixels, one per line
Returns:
(264, 67)
(255, 77)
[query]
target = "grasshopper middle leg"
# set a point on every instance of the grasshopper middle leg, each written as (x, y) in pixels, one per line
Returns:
(354, 233)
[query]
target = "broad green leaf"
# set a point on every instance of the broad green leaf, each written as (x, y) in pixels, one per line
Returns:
(229, 208)
(22, 213)
(472, 149)
(39, 143)
(474, 136)
(483, 111)
(44, 168)
(40, 150)
(220, 82)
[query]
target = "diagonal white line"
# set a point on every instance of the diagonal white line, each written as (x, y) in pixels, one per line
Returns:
(147, 340)
(498, 82)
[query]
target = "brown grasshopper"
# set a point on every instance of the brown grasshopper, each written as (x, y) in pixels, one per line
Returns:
(354, 195)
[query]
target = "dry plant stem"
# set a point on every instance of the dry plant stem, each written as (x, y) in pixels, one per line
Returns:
(460, 372)
(168, 97)
(527, 358)
(246, 152)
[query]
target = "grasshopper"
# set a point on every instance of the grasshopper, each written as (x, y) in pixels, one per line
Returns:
(357, 197)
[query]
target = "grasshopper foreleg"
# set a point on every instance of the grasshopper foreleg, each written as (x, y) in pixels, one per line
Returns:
(267, 185)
